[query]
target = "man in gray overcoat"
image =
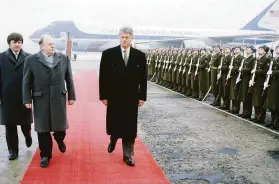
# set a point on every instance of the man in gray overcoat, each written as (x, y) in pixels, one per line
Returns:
(13, 112)
(123, 88)
(44, 79)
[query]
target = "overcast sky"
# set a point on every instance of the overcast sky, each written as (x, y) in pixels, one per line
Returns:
(25, 16)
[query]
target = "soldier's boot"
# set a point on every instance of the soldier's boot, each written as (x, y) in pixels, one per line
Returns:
(189, 92)
(235, 107)
(202, 95)
(271, 124)
(195, 93)
(217, 101)
(226, 104)
(276, 121)
(175, 86)
(259, 114)
(247, 110)
(262, 115)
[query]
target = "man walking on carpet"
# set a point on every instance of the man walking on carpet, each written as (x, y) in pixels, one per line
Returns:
(45, 74)
(123, 88)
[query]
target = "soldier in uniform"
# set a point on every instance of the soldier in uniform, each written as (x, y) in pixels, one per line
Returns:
(272, 99)
(224, 90)
(203, 74)
(180, 71)
(172, 69)
(243, 95)
(215, 62)
(194, 76)
(188, 77)
(175, 71)
(184, 73)
(166, 63)
(257, 81)
(236, 63)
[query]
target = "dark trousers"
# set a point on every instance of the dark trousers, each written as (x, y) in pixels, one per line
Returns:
(12, 136)
(45, 142)
(247, 107)
(127, 145)
(260, 114)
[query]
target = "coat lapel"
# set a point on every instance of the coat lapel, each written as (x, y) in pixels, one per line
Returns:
(21, 58)
(10, 56)
(130, 60)
(56, 59)
(40, 57)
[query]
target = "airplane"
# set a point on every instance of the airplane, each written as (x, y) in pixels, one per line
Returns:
(93, 37)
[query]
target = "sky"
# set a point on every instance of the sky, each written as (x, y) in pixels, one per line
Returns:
(25, 16)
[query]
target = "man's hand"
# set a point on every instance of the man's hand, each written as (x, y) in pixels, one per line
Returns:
(28, 106)
(141, 102)
(105, 102)
(71, 102)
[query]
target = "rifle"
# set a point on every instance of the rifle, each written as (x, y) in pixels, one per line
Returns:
(266, 82)
(189, 71)
(220, 71)
(209, 65)
(197, 68)
(238, 79)
(252, 80)
(230, 71)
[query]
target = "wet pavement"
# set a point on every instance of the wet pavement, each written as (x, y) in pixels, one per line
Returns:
(192, 142)
(195, 143)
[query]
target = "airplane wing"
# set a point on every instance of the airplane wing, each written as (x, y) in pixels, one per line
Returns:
(266, 36)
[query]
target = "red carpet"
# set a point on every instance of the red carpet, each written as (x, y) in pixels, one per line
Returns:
(86, 160)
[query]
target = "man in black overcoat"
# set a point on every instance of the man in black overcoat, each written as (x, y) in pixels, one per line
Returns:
(45, 74)
(123, 88)
(13, 112)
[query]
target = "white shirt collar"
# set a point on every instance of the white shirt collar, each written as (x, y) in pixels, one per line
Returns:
(128, 49)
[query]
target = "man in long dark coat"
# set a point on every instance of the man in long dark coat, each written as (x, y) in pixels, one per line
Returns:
(13, 112)
(123, 88)
(44, 79)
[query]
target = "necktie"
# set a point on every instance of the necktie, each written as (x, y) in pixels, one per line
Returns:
(125, 57)
(16, 55)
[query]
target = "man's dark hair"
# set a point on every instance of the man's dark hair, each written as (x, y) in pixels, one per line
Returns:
(14, 36)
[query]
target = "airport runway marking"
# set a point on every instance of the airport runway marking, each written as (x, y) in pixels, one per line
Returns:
(277, 133)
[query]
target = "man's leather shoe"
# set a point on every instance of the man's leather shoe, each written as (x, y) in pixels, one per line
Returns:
(111, 147)
(44, 162)
(62, 146)
(128, 161)
(13, 156)
(28, 141)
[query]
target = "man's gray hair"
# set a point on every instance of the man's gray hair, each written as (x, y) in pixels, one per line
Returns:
(126, 29)
(42, 38)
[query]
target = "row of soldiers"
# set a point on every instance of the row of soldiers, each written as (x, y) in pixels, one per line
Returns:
(226, 73)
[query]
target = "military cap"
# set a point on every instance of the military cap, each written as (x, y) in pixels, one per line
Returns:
(251, 47)
(264, 47)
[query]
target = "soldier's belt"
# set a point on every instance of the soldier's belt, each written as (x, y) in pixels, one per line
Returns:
(214, 68)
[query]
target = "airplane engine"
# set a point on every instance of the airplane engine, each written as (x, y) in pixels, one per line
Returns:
(193, 44)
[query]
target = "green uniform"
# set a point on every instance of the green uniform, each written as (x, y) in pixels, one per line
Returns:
(184, 75)
(188, 75)
(215, 62)
(175, 71)
(272, 99)
(224, 90)
(243, 95)
(233, 92)
(203, 76)
(179, 78)
(170, 70)
(194, 77)
(152, 64)
(257, 99)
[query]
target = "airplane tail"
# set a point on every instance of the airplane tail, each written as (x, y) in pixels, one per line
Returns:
(267, 20)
